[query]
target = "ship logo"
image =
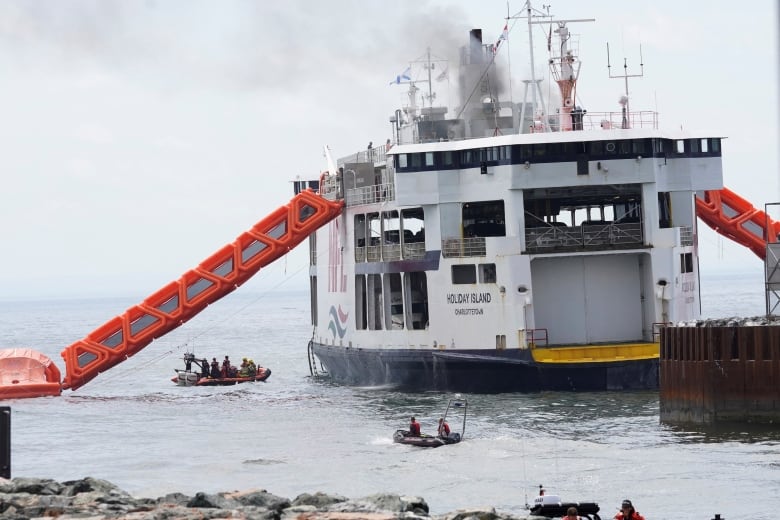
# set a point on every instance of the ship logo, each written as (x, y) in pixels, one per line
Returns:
(338, 322)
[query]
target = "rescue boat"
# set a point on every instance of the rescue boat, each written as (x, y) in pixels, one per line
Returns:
(187, 377)
(456, 404)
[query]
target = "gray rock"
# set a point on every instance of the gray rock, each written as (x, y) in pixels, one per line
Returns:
(319, 500)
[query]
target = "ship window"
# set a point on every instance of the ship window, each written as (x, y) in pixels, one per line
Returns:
(447, 158)
(464, 274)
(715, 145)
(507, 152)
(540, 150)
(704, 147)
(415, 157)
(609, 146)
(639, 147)
(487, 273)
(467, 157)
(596, 147)
(428, 158)
(484, 219)
(686, 263)
(394, 301)
(361, 322)
(403, 161)
(658, 146)
(570, 149)
(694, 145)
(526, 152)
(679, 146)
(625, 147)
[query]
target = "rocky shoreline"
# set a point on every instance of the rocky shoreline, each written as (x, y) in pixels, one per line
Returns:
(95, 499)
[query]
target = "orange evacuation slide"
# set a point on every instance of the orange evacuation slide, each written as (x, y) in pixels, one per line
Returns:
(25, 372)
(180, 300)
(737, 219)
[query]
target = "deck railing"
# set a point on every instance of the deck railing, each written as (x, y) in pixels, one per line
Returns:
(586, 236)
(463, 247)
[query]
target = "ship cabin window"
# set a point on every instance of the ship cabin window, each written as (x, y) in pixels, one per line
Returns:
(428, 158)
(360, 231)
(402, 161)
(704, 145)
(413, 225)
(447, 158)
(693, 146)
(484, 219)
(464, 274)
(487, 273)
(679, 146)
(686, 263)
(715, 146)
(415, 161)
(361, 315)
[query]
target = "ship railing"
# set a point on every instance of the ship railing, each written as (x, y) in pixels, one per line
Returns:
(390, 252)
(414, 251)
(330, 187)
(376, 193)
(372, 155)
(373, 253)
(586, 236)
(463, 247)
(607, 120)
(536, 337)
(686, 236)
(658, 328)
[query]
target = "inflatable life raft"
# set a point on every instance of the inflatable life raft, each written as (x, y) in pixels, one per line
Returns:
(25, 372)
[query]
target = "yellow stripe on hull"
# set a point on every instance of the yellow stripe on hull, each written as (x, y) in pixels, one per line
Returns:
(596, 353)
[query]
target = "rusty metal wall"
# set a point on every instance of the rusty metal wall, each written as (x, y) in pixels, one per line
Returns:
(720, 374)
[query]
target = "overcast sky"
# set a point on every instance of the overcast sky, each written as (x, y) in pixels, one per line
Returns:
(139, 137)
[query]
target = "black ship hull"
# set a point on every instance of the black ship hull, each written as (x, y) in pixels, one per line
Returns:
(479, 371)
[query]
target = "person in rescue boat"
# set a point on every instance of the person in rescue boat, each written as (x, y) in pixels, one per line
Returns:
(571, 514)
(244, 370)
(204, 367)
(627, 512)
(414, 428)
(444, 428)
(215, 373)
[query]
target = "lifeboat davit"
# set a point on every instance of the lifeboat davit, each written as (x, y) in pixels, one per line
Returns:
(25, 372)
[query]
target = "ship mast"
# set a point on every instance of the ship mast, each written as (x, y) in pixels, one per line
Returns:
(624, 100)
(563, 67)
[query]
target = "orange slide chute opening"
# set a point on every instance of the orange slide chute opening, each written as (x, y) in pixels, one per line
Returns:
(736, 218)
(180, 300)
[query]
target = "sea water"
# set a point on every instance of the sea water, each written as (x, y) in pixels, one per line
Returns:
(293, 434)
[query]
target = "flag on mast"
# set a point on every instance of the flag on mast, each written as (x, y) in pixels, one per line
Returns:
(503, 37)
(403, 77)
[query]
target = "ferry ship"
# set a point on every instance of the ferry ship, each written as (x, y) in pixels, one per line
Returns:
(511, 247)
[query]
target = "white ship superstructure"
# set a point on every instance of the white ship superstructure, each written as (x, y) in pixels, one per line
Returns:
(509, 247)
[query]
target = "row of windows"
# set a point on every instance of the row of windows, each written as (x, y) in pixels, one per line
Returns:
(558, 152)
